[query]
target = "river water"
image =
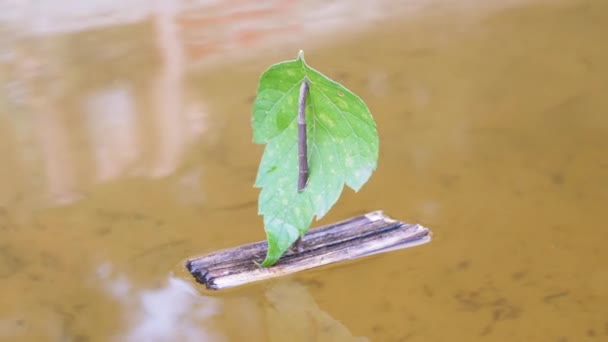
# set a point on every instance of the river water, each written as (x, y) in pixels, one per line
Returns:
(125, 148)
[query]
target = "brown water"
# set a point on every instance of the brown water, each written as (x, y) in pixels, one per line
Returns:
(125, 148)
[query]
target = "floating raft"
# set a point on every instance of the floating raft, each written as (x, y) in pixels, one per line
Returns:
(356, 237)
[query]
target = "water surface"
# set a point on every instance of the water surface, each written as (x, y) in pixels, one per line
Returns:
(125, 146)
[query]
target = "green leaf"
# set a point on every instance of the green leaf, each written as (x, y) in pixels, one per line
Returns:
(342, 149)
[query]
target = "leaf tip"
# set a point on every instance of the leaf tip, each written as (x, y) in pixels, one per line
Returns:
(301, 55)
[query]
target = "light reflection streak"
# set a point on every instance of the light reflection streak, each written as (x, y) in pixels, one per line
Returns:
(115, 140)
(168, 90)
(171, 312)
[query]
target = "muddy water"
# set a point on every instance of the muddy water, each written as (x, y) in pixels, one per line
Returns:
(125, 148)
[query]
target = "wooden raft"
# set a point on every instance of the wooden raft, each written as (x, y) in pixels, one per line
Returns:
(356, 237)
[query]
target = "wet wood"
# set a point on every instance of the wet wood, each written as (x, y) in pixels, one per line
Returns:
(357, 237)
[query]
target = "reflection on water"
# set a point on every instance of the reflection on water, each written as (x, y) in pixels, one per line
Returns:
(293, 315)
(118, 127)
(125, 147)
(173, 312)
(176, 311)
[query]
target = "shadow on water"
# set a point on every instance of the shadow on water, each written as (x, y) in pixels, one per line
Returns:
(125, 146)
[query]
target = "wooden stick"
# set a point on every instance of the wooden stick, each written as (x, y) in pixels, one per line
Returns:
(302, 148)
(357, 237)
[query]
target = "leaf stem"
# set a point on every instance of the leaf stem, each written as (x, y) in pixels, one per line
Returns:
(302, 148)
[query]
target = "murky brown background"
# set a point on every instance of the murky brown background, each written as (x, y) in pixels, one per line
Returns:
(125, 148)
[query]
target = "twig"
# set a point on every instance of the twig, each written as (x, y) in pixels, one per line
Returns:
(302, 148)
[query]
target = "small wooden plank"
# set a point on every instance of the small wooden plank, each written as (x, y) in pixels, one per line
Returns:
(350, 239)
